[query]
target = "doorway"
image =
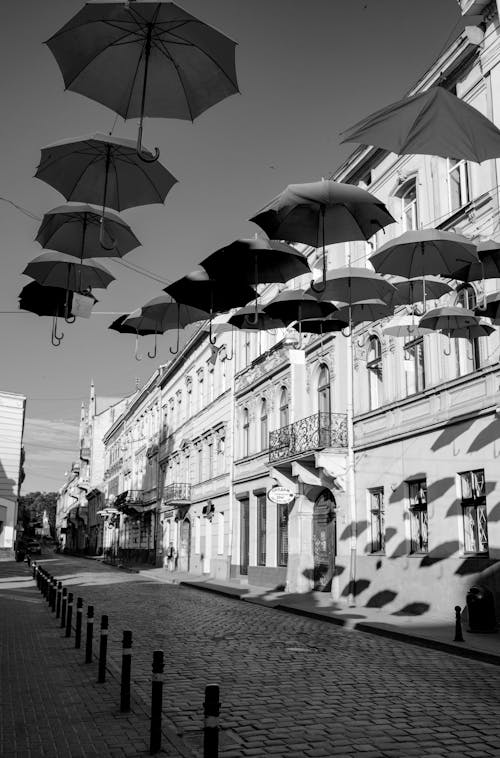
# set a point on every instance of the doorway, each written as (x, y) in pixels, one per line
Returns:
(184, 545)
(244, 536)
(324, 540)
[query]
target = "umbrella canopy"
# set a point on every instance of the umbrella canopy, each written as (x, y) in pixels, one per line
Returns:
(321, 213)
(297, 305)
(47, 301)
(448, 318)
(411, 291)
(211, 295)
(75, 229)
(368, 310)
(492, 308)
(161, 314)
(404, 326)
(423, 252)
(351, 284)
(244, 319)
(321, 325)
(61, 270)
(118, 325)
(482, 329)
(256, 261)
(434, 122)
(145, 59)
(488, 266)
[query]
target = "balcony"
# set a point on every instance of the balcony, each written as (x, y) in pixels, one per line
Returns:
(177, 494)
(306, 435)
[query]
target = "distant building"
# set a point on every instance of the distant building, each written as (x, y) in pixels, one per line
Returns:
(12, 413)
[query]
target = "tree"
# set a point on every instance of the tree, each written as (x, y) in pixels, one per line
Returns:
(32, 506)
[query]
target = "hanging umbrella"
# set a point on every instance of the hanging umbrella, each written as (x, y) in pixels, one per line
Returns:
(297, 305)
(351, 284)
(320, 325)
(492, 309)
(256, 261)
(75, 229)
(105, 171)
(411, 291)
(448, 319)
(488, 266)
(434, 122)
(404, 326)
(366, 310)
(322, 213)
(161, 314)
(482, 329)
(145, 59)
(61, 270)
(118, 325)
(46, 301)
(244, 319)
(211, 295)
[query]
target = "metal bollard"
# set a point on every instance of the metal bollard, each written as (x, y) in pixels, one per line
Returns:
(34, 567)
(44, 583)
(78, 629)
(69, 615)
(58, 601)
(126, 666)
(53, 596)
(48, 588)
(103, 650)
(90, 634)
(458, 625)
(64, 603)
(211, 708)
(156, 703)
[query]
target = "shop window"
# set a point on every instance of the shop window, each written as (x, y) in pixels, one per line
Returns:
(374, 367)
(283, 534)
(475, 523)
(324, 403)
(419, 525)
(264, 436)
(414, 366)
(377, 519)
(458, 184)
(261, 529)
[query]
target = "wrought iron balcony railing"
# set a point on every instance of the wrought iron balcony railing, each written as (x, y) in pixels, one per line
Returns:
(308, 434)
(177, 493)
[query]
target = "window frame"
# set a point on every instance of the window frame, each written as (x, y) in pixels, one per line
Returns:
(474, 501)
(377, 524)
(463, 184)
(261, 529)
(415, 342)
(419, 516)
(374, 365)
(409, 187)
(324, 389)
(284, 408)
(245, 426)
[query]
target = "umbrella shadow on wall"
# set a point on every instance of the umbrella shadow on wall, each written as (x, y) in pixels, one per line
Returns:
(360, 527)
(449, 435)
(485, 437)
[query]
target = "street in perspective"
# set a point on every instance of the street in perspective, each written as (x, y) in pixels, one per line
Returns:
(250, 386)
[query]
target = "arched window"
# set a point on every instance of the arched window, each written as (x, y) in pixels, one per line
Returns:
(324, 404)
(284, 414)
(264, 437)
(468, 355)
(246, 432)
(407, 194)
(374, 366)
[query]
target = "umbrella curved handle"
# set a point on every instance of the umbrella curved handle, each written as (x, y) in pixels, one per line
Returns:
(318, 289)
(230, 357)
(447, 352)
(101, 238)
(252, 318)
(153, 355)
(136, 351)
(174, 352)
(211, 338)
(142, 155)
(55, 338)
(70, 319)
(347, 331)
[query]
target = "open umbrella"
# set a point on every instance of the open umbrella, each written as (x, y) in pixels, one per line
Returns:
(434, 122)
(488, 266)
(243, 319)
(46, 301)
(119, 326)
(448, 319)
(105, 171)
(321, 213)
(404, 326)
(492, 309)
(75, 229)
(256, 261)
(145, 59)
(212, 296)
(411, 291)
(161, 314)
(350, 284)
(320, 325)
(297, 305)
(365, 310)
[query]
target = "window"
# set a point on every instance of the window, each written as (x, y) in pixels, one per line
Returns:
(414, 366)
(324, 390)
(469, 359)
(282, 534)
(377, 519)
(246, 432)
(261, 529)
(458, 184)
(221, 447)
(374, 366)
(473, 492)
(264, 441)
(210, 448)
(220, 533)
(199, 452)
(197, 534)
(284, 416)
(419, 529)
(409, 208)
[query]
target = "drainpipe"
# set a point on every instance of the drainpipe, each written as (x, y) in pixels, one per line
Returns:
(351, 479)
(232, 421)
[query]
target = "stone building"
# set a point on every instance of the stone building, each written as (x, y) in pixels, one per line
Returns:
(12, 412)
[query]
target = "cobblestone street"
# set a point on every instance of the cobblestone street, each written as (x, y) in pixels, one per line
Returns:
(290, 686)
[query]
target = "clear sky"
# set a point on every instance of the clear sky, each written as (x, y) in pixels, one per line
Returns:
(306, 71)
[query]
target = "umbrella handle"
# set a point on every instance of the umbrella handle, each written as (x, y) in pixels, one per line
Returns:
(347, 331)
(253, 318)
(211, 339)
(101, 238)
(70, 319)
(153, 355)
(55, 338)
(230, 357)
(136, 351)
(484, 304)
(174, 352)
(147, 52)
(318, 289)
(145, 158)
(445, 351)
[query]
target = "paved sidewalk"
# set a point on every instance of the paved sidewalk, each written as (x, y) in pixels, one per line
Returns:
(50, 703)
(427, 630)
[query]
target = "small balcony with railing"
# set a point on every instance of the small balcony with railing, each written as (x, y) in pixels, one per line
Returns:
(178, 493)
(308, 435)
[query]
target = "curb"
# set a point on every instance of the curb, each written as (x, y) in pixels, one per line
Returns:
(361, 626)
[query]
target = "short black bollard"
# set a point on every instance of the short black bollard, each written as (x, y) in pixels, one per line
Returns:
(458, 625)
(90, 634)
(103, 650)
(69, 615)
(48, 588)
(211, 708)
(156, 703)
(44, 583)
(64, 603)
(34, 567)
(53, 596)
(78, 627)
(58, 601)
(28, 560)
(126, 666)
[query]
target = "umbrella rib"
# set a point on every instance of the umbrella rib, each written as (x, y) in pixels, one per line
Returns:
(168, 55)
(96, 159)
(212, 59)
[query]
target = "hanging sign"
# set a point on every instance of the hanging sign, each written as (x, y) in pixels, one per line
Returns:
(280, 495)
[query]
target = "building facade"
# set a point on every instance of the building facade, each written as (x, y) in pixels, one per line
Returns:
(12, 413)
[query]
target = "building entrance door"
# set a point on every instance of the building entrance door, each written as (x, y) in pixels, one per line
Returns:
(184, 545)
(244, 536)
(324, 540)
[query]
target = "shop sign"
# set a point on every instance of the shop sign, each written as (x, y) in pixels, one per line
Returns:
(280, 495)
